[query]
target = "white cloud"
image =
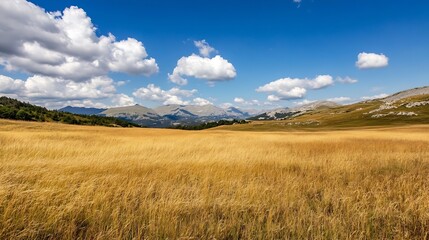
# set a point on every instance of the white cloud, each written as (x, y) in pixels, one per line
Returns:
(381, 95)
(211, 69)
(40, 87)
(273, 98)
(293, 88)
(172, 96)
(239, 100)
(348, 80)
(247, 103)
(10, 86)
(181, 92)
(175, 100)
(130, 56)
(67, 62)
(201, 101)
(55, 92)
(202, 67)
(123, 100)
(371, 60)
(204, 48)
(339, 99)
(64, 45)
(54, 88)
(297, 1)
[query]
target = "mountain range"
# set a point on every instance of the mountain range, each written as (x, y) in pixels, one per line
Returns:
(165, 116)
(173, 115)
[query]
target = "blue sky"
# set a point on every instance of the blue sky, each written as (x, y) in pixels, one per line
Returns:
(264, 41)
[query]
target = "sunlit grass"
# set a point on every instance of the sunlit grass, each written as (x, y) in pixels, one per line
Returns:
(59, 181)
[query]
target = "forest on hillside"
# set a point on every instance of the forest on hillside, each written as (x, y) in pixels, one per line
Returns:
(16, 110)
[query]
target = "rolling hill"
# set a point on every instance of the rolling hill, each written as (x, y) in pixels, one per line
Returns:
(284, 113)
(406, 107)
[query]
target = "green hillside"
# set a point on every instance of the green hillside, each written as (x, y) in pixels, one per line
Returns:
(374, 113)
(16, 110)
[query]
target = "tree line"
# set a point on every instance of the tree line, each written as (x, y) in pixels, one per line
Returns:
(16, 110)
(210, 124)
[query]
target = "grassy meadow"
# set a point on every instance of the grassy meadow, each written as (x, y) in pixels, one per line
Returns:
(79, 182)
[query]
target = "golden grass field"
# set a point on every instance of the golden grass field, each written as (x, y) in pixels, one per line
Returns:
(74, 182)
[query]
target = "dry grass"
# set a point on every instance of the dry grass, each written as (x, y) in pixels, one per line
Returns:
(71, 182)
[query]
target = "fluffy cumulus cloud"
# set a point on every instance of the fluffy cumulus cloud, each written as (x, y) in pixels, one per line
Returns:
(172, 96)
(121, 100)
(202, 66)
(239, 100)
(346, 80)
(294, 88)
(64, 44)
(242, 102)
(130, 56)
(46, 87)
(66, 60)
(273, 98)
(10, 86)
(201, 101)
(55, 92)
(371, 60)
